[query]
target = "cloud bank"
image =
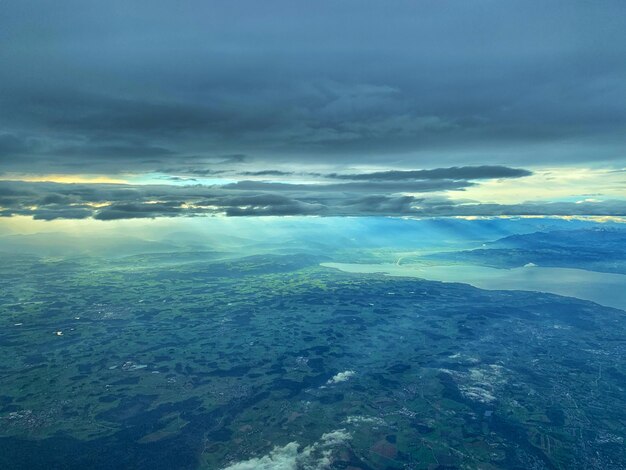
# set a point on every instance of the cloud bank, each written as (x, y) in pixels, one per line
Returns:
(332, 109)
(121, 87)
(420, 198)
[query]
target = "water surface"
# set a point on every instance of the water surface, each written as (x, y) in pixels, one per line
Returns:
(606, 289)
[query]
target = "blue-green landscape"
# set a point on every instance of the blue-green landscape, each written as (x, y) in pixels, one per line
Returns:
(258, 358)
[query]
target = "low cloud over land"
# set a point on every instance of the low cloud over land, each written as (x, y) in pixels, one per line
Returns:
(381, 196)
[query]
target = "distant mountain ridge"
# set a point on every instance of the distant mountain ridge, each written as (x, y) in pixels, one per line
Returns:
(602, 250)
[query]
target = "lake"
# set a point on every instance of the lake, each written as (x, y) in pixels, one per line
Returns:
(606, 289)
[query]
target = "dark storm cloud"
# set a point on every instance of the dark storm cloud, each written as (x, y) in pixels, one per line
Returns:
(121, 86)
(380, 204)
(266, 173)
(454, 173)
(366, 186)
(192, 171)
(280, 206)
(48, 201)
(140, 210)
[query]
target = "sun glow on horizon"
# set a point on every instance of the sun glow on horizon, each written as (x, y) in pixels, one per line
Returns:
(65, 178)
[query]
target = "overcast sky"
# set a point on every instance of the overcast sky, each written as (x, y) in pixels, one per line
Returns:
(359, 96)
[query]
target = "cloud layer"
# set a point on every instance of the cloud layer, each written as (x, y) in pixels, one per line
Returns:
(290, 108)
(418, 198)
(137, 87)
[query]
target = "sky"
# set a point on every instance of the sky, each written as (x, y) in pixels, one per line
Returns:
(146, 109)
